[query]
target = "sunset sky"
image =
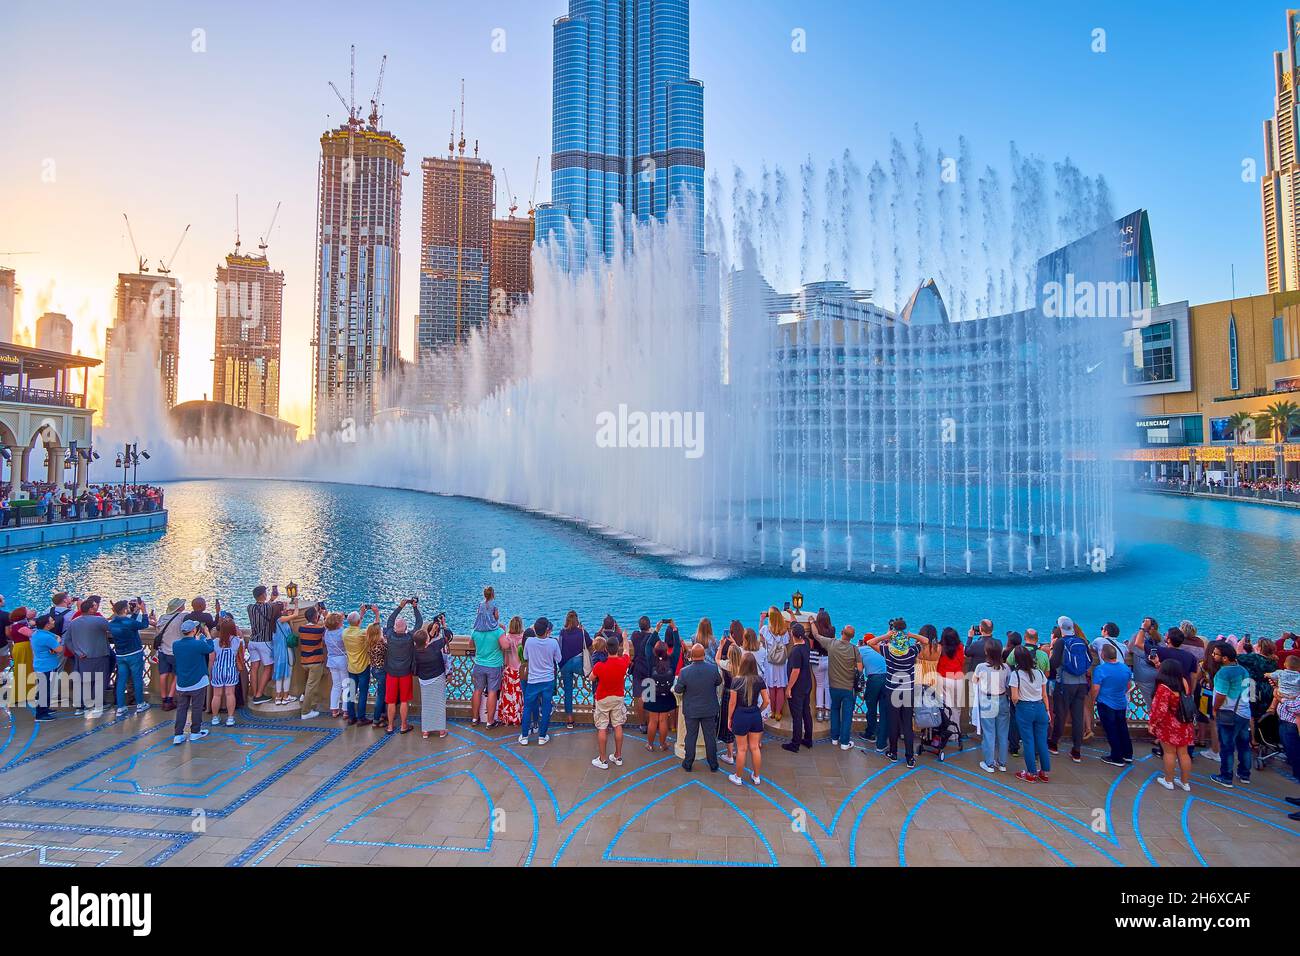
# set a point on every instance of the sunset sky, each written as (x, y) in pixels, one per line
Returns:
(111, 109)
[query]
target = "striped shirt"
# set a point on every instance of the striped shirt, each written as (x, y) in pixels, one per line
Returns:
(311, 644)
(900, 667)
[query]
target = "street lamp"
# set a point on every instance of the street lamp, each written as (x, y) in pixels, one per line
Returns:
(291, 592)
(796, 601)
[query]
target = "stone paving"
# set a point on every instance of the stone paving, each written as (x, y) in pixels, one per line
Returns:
(278, 791)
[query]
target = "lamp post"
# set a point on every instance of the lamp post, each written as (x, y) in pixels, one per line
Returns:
(796, 601)
(291, 592)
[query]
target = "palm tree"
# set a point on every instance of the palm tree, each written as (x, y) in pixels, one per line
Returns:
(1283, 416)
(1238, 421)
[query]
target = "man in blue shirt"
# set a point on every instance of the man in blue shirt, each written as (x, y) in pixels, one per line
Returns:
(47, 662)
(1111, 681)
(128, 620)
(873, 669)
(191, 653)
(1233, 688)
(542, 652)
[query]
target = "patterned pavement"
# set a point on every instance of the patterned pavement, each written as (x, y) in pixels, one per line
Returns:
(282, 792)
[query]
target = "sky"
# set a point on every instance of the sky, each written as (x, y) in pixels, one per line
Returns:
(167, 111)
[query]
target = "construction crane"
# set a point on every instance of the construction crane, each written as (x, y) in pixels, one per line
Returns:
(513, 205)
(374, 100)
(237, 238)
(17, 253)
(141, 264)
(166, 267)
(267, 235)
(532, 200)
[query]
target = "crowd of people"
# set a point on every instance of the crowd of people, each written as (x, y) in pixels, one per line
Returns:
(1268, 485)
(53, 503)
(1235, 698)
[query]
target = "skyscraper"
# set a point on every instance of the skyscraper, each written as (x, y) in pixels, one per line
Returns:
(358, 269)
(145, 335)
(54, 332)
(455, 249)
(246, 354)
(8, 285)
(512, 271)
(1279, 184)
(627, 120)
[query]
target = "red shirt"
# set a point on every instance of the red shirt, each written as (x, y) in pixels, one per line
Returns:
(949, 666)
(610, 675)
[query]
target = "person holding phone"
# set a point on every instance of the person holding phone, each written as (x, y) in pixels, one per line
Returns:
(901, 649)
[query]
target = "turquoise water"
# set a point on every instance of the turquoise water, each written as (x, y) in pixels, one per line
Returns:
(1229, 567)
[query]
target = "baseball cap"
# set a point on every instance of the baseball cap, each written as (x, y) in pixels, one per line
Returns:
(189, 627)
(1066, 625)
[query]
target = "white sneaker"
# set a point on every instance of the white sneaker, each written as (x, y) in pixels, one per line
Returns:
(726, 758)
(757, 780)
(141, 708)
(310, 714)
(199, 736)
(523, 741)
(618, 761)
(1164, 783)
(736, 780)
(543, 741)
(94, 714)
(846, 746)
(1210, 755)
(121, 712)
(178, 739)
(1002, 768)
(230, 721)
(216, 721)
(597, 762)
(1187, 787)
(986, 768)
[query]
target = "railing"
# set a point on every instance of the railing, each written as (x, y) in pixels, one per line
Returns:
(41, 396)
(1220, 491)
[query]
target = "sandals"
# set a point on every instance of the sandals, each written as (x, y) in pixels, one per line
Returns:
(406, 730)
(424, 734)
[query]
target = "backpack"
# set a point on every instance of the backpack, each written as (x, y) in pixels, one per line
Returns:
(662, 675)
(1074, 656)
(777, 653)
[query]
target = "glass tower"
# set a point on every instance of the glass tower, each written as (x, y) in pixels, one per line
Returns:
(627, 121)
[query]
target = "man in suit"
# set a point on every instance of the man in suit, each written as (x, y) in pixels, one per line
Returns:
(698, 684)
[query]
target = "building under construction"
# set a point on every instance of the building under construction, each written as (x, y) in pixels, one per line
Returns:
(146, 318)
(512, 264)
(358, 267)
(455, 249)
(246, 353)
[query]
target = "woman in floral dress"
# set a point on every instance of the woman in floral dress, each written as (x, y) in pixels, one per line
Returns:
(1174, 735)
(511, 703)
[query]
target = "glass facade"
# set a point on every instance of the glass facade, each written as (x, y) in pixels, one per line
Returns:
(627, 122)
(1154, 360)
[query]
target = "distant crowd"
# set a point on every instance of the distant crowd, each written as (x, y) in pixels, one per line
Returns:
(98, 501)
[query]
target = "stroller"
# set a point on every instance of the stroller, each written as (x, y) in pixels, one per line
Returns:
(933, 721)
(1267, 740)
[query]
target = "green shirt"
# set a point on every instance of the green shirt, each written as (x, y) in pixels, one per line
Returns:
(487, 648)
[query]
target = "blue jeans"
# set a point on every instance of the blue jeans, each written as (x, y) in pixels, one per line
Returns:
(1114, 721)
(570, 670)
(357, 699)
(995, 728)
(381, 709)
(1234, 736)
(842, 714)
(1291, 746)
(873, 699)
(1031, 717)
(130, 667)
(538, 700)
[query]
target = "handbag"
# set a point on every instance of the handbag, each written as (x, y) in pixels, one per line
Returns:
(777, 653)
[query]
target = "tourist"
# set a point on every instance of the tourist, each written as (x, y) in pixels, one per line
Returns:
(87, 638)
(874, 702)
(753, 645)
(61, 606)
(951, 672)
(991, 682)
(900, 649)
(728, 665)
(542, 655)
(128, 620)
(927, 660)
(844, 664)
(263, 616)
(1168, 726)
(610, 706)
(336, 661)
(642, 642)
(821, 627)
(1042, 660)
(357, 646)
(798, 690)
(21, 621)
(489, 664)
(1110, 635)
(169, 628)
(282, 643)
(612, 633)
(661, 706)
(1070, 662)
(311, 655)
(1233, 689)
(399, 664)
(698, 684)
(431, 671)
(1286, 705)
(748, 700)
(1028, 686)
(192, 651)
(199, 612)
(575, 646)
(775, 635)
(1259, 663)
(376, 653)
(226, 665)
(704, 637)
(510, 706)
(1111, 680)
(47, 663)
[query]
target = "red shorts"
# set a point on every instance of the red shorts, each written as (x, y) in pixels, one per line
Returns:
(397, 690)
